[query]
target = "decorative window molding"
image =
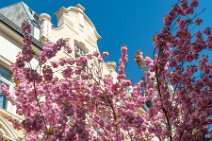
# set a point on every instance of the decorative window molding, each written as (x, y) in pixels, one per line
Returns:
(78, 51)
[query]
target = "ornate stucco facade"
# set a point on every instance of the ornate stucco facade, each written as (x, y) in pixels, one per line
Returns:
(73, 25)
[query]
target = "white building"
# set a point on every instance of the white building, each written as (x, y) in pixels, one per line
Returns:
(73, 25)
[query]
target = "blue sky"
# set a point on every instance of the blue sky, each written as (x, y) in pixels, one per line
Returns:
(129, 22)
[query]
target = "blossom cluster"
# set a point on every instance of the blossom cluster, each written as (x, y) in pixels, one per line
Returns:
(178, 80)
(86, 104)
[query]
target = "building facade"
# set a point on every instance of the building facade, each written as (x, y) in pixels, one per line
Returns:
(73, 25)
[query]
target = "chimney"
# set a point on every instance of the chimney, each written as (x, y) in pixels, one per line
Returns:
(80, 7)
(46, 26)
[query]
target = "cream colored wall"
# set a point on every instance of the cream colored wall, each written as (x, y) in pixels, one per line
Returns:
(77, 28)
(71, 22)
(73, 25)
(10, 49)
(10, 46)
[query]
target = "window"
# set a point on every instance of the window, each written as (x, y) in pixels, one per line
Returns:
(5, 77)
(3, 101)
(78, 51)
(65, 48)
(5, 73)
(85, 68)
(129, 90)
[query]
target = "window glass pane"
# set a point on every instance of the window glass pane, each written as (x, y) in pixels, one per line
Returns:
(85, 68)
(78, 51)
(2, 101)
(3, 98)
(5, 73)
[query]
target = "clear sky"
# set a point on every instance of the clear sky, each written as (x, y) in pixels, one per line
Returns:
(129, 22)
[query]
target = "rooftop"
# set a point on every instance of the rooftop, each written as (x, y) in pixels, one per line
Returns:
(19, 12)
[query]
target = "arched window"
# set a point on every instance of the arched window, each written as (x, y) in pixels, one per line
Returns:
(78, 51)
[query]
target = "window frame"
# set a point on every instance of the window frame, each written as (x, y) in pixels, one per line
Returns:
(10, 87)
(78, 51)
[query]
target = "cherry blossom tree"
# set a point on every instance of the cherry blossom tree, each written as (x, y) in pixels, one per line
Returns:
(63, 101)
(60, 100)
(178, 79)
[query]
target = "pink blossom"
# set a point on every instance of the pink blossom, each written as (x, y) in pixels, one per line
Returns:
(96, 54)
(6, 91)
(194, 3)
(181, 23)
(207, 31)
(166, 20)
(70, 61)
(68, 49)
(123, 49)
(105, 54)
(148, 60)
(47, 73)
(54, 64)
(174, 94)
(198, 21)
